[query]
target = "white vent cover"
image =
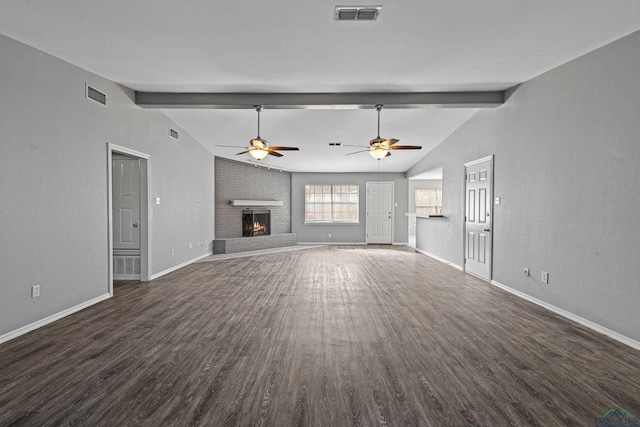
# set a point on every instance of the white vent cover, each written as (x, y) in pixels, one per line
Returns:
(174, 134)
(357, 13)
(96, 95)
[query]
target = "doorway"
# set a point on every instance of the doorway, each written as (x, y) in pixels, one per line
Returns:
(478, 230)
(427, 184)
(128, 200)
(380, 213)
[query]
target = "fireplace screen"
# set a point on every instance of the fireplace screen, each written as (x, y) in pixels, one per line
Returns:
(256, 223)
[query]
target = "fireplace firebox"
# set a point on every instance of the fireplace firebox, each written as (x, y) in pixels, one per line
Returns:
(256, 223)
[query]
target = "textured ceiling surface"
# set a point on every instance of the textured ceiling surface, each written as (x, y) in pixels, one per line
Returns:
(297, 46)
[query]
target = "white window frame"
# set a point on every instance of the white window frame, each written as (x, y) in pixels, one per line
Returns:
(335, 194)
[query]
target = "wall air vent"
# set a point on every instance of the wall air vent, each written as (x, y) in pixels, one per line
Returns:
(96, 95)
(357, 13)
(335, 144)
(174, 134)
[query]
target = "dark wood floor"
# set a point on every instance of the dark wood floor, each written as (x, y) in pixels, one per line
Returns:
(331, 336)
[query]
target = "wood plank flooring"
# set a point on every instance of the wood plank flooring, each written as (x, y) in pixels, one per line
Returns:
(331, 336)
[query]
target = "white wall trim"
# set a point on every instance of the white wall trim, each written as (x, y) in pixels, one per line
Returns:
(571, 316)
(437, 258)
(332, 243)
(179, 266)
(400, 243)
(475, 162)
(40, 323)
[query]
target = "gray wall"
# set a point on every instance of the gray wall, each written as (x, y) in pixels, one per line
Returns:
(244, 181)
(567, 151)
(53, 184)
(346, 233)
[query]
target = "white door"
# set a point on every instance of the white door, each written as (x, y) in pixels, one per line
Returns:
(380, 212)
(127, 259)
(126, 204)
(478, 217)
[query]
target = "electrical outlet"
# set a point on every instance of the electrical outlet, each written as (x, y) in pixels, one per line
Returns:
(329, 235)
(35, 291)
(190, 245)
(545, 277)
(527, 271)
(173, 251)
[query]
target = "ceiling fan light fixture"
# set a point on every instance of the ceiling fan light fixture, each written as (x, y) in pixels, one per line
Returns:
(258, 153)
(378, 152)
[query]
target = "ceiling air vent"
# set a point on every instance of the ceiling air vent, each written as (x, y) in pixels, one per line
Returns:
(174, 134)
(357, 13)
(96, 95)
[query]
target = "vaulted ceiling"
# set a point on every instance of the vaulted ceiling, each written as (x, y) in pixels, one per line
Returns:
(296, 46)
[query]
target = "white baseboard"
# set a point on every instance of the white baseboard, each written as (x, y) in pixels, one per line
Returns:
(35, 325)
(437, 258)
(400, 243)
(177, 267)
(571, 316)
(332, 243)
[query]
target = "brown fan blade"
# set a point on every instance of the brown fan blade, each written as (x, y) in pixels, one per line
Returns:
(406, 147)
(274, 153)
(392, 141)
(244, 152)
(271, 147)
(356, 152)
(388, 154)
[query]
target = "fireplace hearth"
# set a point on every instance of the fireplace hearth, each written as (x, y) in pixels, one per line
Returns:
(256, 223)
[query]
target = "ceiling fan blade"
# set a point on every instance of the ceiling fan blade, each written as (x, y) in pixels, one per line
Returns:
(244, 152)
(271, 147)
(406, 147)
(232, 146)
(388, 153)
(392, 141)
(356, 152)
(350, 145)
(274, 153)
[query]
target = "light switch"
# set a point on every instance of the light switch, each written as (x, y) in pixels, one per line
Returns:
(497, 200)
(157, 200)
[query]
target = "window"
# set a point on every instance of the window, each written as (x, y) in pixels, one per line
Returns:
(330, 203)
(428, 201)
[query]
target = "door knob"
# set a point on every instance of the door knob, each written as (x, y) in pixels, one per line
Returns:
(135, 224)
(487, 229)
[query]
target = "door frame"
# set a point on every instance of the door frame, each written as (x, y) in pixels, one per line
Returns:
(366, 204)
(464, 222)
(145, 211)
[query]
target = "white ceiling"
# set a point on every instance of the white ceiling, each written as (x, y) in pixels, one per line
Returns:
(296, 46)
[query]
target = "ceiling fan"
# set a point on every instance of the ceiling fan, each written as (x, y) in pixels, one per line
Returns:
(380, 147)
(259, 149)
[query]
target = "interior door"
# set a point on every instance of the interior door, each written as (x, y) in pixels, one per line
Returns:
(380, 212)
(478, 217)
(126, 203)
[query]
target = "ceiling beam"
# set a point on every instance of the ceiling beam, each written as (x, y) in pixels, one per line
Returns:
(347, 100)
